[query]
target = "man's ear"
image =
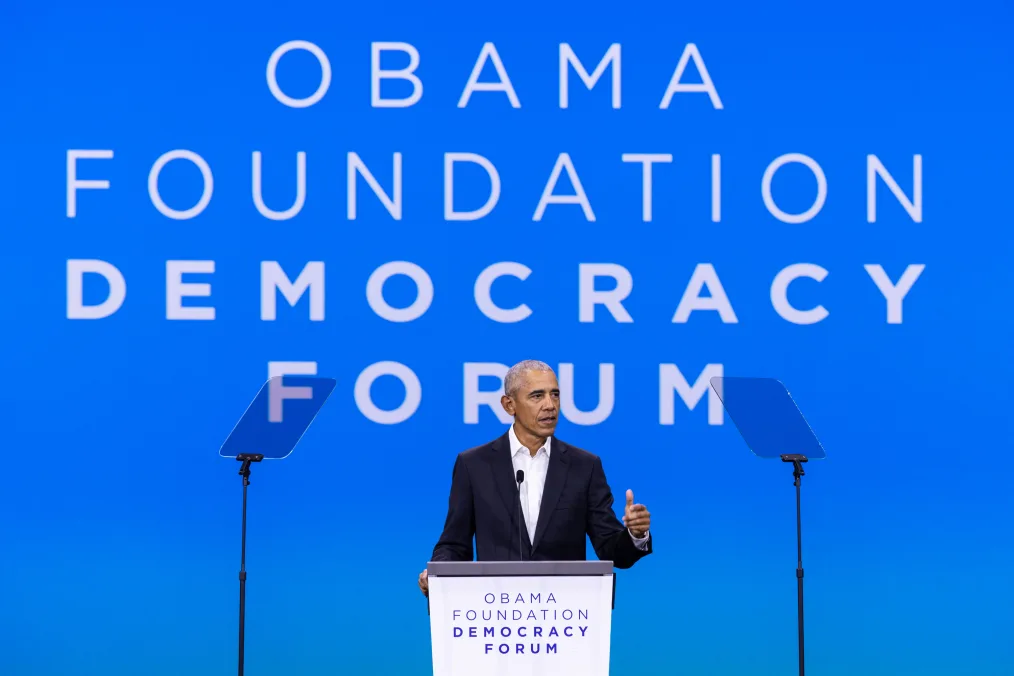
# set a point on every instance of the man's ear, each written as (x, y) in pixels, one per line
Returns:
(508, 404)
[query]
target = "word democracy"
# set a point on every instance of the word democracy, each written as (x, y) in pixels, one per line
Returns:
(274, 280)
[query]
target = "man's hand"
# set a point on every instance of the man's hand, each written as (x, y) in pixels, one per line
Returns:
(424, 583)
(636, 518)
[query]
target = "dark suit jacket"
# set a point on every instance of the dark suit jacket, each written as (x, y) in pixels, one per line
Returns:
(576, 501)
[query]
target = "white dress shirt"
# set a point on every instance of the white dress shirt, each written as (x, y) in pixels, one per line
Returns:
(535, 468)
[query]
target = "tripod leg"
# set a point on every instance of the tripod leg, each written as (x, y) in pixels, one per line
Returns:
(242, 580)
(799, 573)
(242, 612)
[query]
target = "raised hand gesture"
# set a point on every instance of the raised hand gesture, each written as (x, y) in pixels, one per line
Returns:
(636, 518)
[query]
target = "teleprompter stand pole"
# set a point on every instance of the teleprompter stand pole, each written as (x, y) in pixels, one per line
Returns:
(797, 472)
(244, 471)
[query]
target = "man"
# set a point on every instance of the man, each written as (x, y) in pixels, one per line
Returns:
(564, 495)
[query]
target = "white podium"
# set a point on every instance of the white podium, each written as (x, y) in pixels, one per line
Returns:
(520, 618)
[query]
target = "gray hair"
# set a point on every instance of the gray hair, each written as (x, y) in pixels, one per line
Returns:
(516, 374)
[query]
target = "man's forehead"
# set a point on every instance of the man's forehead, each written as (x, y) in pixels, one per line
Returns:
(540, 380)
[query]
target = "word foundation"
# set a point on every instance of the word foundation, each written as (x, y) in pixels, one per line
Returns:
(388, 189)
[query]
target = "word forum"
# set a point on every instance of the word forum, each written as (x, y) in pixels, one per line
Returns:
(671, 384)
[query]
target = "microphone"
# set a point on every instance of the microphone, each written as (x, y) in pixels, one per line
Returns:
(520, 476)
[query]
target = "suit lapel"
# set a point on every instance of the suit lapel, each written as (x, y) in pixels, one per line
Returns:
(556, 479)
(506, 484)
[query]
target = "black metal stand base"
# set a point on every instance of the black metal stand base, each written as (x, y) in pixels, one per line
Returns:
(244, 471)
(797, 473)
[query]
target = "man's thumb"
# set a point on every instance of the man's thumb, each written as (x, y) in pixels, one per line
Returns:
(630, 497)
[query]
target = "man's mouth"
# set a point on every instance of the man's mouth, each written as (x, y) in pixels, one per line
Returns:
(547, 419)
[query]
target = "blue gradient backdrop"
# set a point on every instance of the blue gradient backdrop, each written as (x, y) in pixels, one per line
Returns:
(120, 522)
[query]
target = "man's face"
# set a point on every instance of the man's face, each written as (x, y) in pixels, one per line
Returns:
(536, 404)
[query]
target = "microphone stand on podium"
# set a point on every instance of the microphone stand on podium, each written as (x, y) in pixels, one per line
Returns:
(520, 477)
(773, 427)
(270, 429)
